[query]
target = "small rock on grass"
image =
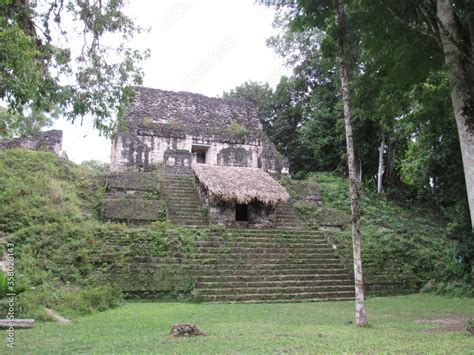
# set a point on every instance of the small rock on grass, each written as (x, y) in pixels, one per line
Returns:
(186, 330)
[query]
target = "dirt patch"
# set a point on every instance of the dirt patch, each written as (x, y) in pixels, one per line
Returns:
(451, 324)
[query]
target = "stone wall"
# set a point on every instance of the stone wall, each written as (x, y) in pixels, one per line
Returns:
(259, 215)
(159, 121)
(133, 197)
(49, 141)
(224, 213)
(187, 108)
(144, 150)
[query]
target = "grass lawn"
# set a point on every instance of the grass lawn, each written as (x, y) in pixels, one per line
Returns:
(398, 324)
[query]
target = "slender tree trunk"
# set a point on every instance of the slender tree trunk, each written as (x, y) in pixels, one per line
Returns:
(390, 166)
(380, 171)
(361, 316)
(458, 57)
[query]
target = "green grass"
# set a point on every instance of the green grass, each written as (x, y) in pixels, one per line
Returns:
(258, 328)
(408, 240)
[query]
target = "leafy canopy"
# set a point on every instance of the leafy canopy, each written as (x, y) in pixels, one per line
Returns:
(67, 55)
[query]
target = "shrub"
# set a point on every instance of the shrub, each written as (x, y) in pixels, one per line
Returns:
(237, 130)
(469, 326)
(3, 285)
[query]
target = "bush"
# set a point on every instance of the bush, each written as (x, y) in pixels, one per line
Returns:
(238, 131)
(469, 326)
(3, 285)
(91, 299)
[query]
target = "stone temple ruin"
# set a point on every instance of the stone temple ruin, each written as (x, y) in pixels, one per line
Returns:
(218, 141)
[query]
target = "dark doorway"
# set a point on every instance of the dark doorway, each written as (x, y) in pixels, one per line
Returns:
(241, 212)
(201, 157)
(200, 153)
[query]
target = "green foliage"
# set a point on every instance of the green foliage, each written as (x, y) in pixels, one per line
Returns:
(261, 95)
(403, 239)
(65, 258)
(35, 64)
(237, 130)
(3, 285)
(96, 165)
(80, 268)
(403, 99)
(160, 225)
(14, 124)
(305, 209)
(469, 326)
(38, 188)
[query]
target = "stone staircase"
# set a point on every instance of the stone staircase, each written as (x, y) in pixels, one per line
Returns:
(287, 216)
(182, 200)
(269, 265)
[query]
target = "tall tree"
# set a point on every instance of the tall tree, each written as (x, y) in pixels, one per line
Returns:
(306, 14)
(457, 38)
(261, 95)
(423, 32)
(361, 315)
(68, 55)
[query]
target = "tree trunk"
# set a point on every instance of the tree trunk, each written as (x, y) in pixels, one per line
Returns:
(380, 171)
(390, 166)
(361, 316)
(458, 57)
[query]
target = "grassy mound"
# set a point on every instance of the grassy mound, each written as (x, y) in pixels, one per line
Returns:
(399, 242)
(66, 258)
(39, 188)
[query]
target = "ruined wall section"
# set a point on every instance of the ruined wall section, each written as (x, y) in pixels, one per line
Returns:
(189, 109)
(48, 141)
(161, 122)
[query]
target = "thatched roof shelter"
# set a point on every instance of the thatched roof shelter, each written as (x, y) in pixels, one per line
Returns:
(240, 185)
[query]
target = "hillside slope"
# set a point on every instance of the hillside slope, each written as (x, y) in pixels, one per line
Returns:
(404, 244)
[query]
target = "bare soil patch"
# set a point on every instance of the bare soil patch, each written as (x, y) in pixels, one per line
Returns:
(450, 324)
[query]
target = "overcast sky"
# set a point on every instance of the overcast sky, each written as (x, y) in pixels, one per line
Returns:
(202, 46)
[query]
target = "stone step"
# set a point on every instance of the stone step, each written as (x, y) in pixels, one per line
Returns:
(191, 223)
(267, 242)
(184, 194)
(256, 272)
(281, 241)
(265, 264)
(283, 256)
(277, 278)
(274, 284)
(185, 205)
(286, 297)
(184, 208)
(179, 215)
(273, 231)
(178, 186)
(188, 219)
(245, 268)
(185, 214)
(274, 290)
(225, 250)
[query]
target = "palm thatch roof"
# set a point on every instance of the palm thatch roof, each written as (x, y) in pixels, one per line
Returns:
(240, 185)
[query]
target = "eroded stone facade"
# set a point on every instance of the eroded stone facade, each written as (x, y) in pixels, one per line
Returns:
(161, 125)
